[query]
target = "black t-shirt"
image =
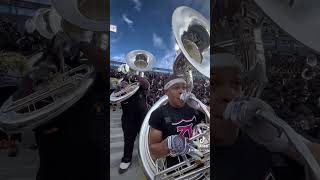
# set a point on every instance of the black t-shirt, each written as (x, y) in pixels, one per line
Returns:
(175, 121)
(138, 101)
(247, 160)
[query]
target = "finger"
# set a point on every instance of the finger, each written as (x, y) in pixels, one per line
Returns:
(235, 111)
(227, 111)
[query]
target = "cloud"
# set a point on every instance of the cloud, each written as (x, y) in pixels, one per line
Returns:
(127, 20)
(119, 58)
(137, 5)
(167, 60)
(158, 41)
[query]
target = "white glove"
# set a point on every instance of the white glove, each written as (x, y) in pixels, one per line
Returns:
(178, 145)
(187, 97)
(242, 112)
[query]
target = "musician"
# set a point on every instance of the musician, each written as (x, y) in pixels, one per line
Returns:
(134, 110)
(244, 144)
(173, 122)
(71, 146)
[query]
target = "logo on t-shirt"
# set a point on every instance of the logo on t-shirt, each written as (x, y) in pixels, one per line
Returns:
(186, 128)
(269, 176)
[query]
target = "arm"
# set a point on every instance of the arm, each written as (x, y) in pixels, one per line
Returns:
(158, 147)
(313, 147)
(97, 57)
(144, 83)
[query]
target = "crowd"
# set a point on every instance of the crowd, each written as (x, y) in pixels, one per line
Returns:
(12, 40)
(201, 87)
(294, 98)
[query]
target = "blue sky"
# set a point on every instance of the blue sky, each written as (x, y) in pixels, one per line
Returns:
(146, 24)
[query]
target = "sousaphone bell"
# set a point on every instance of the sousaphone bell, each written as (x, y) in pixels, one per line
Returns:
(138, 61)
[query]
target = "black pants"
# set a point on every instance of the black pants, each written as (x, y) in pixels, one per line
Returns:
(131, 123)
(76, 150)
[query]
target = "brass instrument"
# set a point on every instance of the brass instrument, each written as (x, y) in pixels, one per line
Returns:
(137, 62)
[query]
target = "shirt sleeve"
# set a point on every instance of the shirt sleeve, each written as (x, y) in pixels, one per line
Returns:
(155, 120)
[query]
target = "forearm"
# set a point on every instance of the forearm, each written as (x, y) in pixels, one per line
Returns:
(314, 149)
(97, 57)
(159, 150)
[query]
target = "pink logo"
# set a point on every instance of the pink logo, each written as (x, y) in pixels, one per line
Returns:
(184, 129)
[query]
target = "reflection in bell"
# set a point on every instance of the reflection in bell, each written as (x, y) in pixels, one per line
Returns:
(307, 74)
(312, 60)
(195, 40)
(141, 61)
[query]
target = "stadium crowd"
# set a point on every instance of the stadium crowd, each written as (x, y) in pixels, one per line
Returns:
(294, 98)
(157, 79)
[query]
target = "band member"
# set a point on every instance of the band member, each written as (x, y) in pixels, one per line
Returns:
(245, 144)
(71, 145)
(134, 110)
(173, 122)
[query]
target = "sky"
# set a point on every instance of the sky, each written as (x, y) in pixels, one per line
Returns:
(146, 25)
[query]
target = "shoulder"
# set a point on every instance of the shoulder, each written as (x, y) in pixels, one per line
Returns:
(158, 111)
(156, 119)
(190, 109)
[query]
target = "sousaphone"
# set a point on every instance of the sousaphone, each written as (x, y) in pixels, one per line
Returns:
(191, 31)
(48, 90)
(85, 20)
(47, 22)
(138, 61)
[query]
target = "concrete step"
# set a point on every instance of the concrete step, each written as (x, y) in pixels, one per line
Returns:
(116, 138)
(22, 167)
(116, 146)
(115, 130)
(115, 158)
(135, 172)
(115, 125)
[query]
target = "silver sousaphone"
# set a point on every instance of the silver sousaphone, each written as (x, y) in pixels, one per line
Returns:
(138, 61)
(46, 92)
(191, 31)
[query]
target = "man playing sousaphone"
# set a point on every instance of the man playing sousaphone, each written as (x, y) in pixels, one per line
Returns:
(172, 124)
(134, 107)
